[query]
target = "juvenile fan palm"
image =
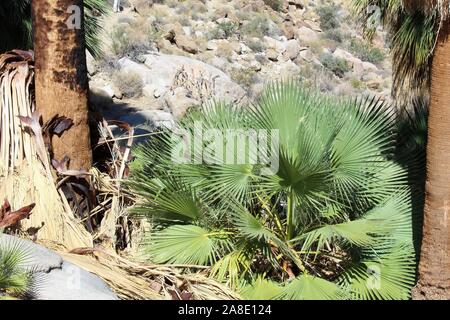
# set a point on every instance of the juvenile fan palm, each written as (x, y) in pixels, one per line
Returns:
(15, 282)
(16, 31)
(333, 222)
(425, 49)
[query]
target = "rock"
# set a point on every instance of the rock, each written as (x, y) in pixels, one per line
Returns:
(289, 29)
(129, 66)
(187, 30)
(344, 88)
(292, 49)
(272, 43)
(175, 33)
(219, 63)
(212, 45)
(187, 44)
(179, 102)
(305, 34)
(105, 91)
(141, 6)
(313, 25)
(59, 279)
(150, 91)
(361, 67)
(236, 47)
(91, 64)
(202, 80)
(298, 4)
(255, 65)
(149, 119)
(69, 282)
(245, 49)
(307, 55)
(342, 54)
(272, 54)
(372, 80)
(285, 70)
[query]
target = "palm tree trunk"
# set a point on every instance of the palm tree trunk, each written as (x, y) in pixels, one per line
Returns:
(434, 266)
(61, 75)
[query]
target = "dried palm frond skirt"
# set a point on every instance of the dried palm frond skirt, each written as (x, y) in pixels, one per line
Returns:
(25, 179)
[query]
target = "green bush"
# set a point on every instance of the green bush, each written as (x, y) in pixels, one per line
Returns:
(256, 45)
(120, 41)
(366, 51)
(276, 5)
(329, 18)
(334, 217)
(243, 76)
(224, 30)
(336, 65)
(257, 27)
(335, 35)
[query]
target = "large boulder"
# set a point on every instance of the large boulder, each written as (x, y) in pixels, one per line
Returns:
(292, 49)
(164, 73)
(59, 279)
(307, 35)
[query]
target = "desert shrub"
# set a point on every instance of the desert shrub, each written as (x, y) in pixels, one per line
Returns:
(276, 5)
(329, 18)
(365, 51)
(243, 76)
(129, 83)
(256, 45)
(334, 211)
(225, 50)
(356, 83)
(120, 40)
(223, 30)
(258, 27)
(335, 35)
(336, 65)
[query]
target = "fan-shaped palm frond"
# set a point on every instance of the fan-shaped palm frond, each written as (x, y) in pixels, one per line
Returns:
(15, 281)
(306, 287)
(335, 198)
(261, 289)
(187, 244)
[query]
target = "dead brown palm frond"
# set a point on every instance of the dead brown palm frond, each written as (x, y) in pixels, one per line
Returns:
(16, 78)
(28, 174)
(24, 163)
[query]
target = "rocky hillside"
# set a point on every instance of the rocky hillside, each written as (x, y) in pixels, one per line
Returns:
(164, 56)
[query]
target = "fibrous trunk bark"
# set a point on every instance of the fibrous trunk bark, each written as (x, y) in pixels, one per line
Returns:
(434, 265)
(61, 75)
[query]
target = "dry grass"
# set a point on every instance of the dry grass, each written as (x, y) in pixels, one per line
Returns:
(131, 280)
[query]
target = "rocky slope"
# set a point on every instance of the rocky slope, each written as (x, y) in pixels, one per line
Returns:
(164, 56)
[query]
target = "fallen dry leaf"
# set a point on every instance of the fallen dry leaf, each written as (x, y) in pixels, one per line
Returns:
(10, 219)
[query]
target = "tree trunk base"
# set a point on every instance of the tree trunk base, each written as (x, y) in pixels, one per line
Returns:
(427, 292)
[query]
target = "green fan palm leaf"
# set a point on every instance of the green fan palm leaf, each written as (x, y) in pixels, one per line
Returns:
(335, 198)
(15, 281)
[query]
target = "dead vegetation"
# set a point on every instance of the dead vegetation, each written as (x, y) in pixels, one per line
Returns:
(81, 215)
